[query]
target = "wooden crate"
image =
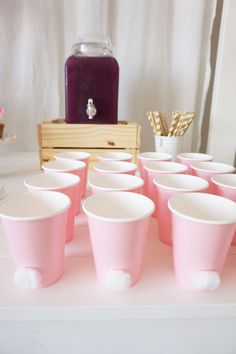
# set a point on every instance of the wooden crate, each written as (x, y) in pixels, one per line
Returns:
(57, 136)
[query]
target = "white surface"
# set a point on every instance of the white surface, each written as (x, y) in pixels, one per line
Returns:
(222, 133)
(78, 315)
(163, 49)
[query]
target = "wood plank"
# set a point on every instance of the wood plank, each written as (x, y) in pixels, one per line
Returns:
(55, 135)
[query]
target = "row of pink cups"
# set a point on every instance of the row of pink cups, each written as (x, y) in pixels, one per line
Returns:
(118, 224)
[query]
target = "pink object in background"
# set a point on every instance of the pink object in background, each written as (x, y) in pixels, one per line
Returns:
(79, 156)
(118, 225)
(146, 157)
(187, 158)
(203, 226)
(66, 183)
(115, 182)
(158, 168)
(167, 186)
(70, 166)
(114, 156)
(225, 186)
(207, 169)
(107, 167)
(35, 228)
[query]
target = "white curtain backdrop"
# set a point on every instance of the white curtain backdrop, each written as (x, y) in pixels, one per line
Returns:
(162, 46)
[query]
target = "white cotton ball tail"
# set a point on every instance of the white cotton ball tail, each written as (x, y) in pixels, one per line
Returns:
(205, 280)
(28, 278)
(118, 280)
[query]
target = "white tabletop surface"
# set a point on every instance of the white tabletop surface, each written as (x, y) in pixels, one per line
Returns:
(78, 295)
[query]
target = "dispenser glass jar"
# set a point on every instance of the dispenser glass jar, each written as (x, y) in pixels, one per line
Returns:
(91, 82)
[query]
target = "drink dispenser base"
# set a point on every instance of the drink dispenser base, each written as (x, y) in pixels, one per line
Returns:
(91, 82)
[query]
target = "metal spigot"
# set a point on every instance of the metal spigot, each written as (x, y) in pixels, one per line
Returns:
(91, 109)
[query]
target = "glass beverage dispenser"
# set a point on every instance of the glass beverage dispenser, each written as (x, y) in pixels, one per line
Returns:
(91, 82)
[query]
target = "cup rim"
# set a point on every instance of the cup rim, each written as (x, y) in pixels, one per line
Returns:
(30, 183)
(157, 181)
(70, 165)
(84, 155)
(215, 198)
(203, 167)
(95, 179)
(182, 168)
(124, 155)
(143, 156)
(67, 202)
(148, 211)
(184, 156)
(216, 179)
(127, 166)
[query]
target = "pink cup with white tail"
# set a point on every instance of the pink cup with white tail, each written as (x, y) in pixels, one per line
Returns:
(225, 186)
(66, 183)
(118, 225)
(35, 227)
(108, 167)
(114, 156)
(159, 168)
(146, 157)
(70, 166)
(187, 158)
(78, 156)
(203, 226)
(115, 182)
(167, 186)
(208, 169)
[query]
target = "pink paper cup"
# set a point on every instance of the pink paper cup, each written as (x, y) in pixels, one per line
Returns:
(224, 185)
(70, 166)
(114, 156)
(35, 226)
(115, 182)
(79, 156)
(187, 158)
(146, 157)
(167, 186)
(203, 226)
(66, 183)
(118, 225)
(108, 167)
(159, 168)
(208, 169)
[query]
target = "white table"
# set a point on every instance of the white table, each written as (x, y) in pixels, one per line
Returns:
(78, 315)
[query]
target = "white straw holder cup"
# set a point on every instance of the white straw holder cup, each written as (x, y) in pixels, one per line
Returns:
(207, 169)
(107, 167)
(203, 226)
(70, 166)
(114, 156)
(35, 227)
(66, 183)
(115, 182)
(172, 145)
(78, 156)
(118, 225)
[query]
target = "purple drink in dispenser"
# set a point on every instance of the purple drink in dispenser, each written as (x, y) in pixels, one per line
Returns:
(91, 82)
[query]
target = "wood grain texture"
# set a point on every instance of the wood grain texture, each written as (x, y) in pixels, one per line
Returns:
(57, 135)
